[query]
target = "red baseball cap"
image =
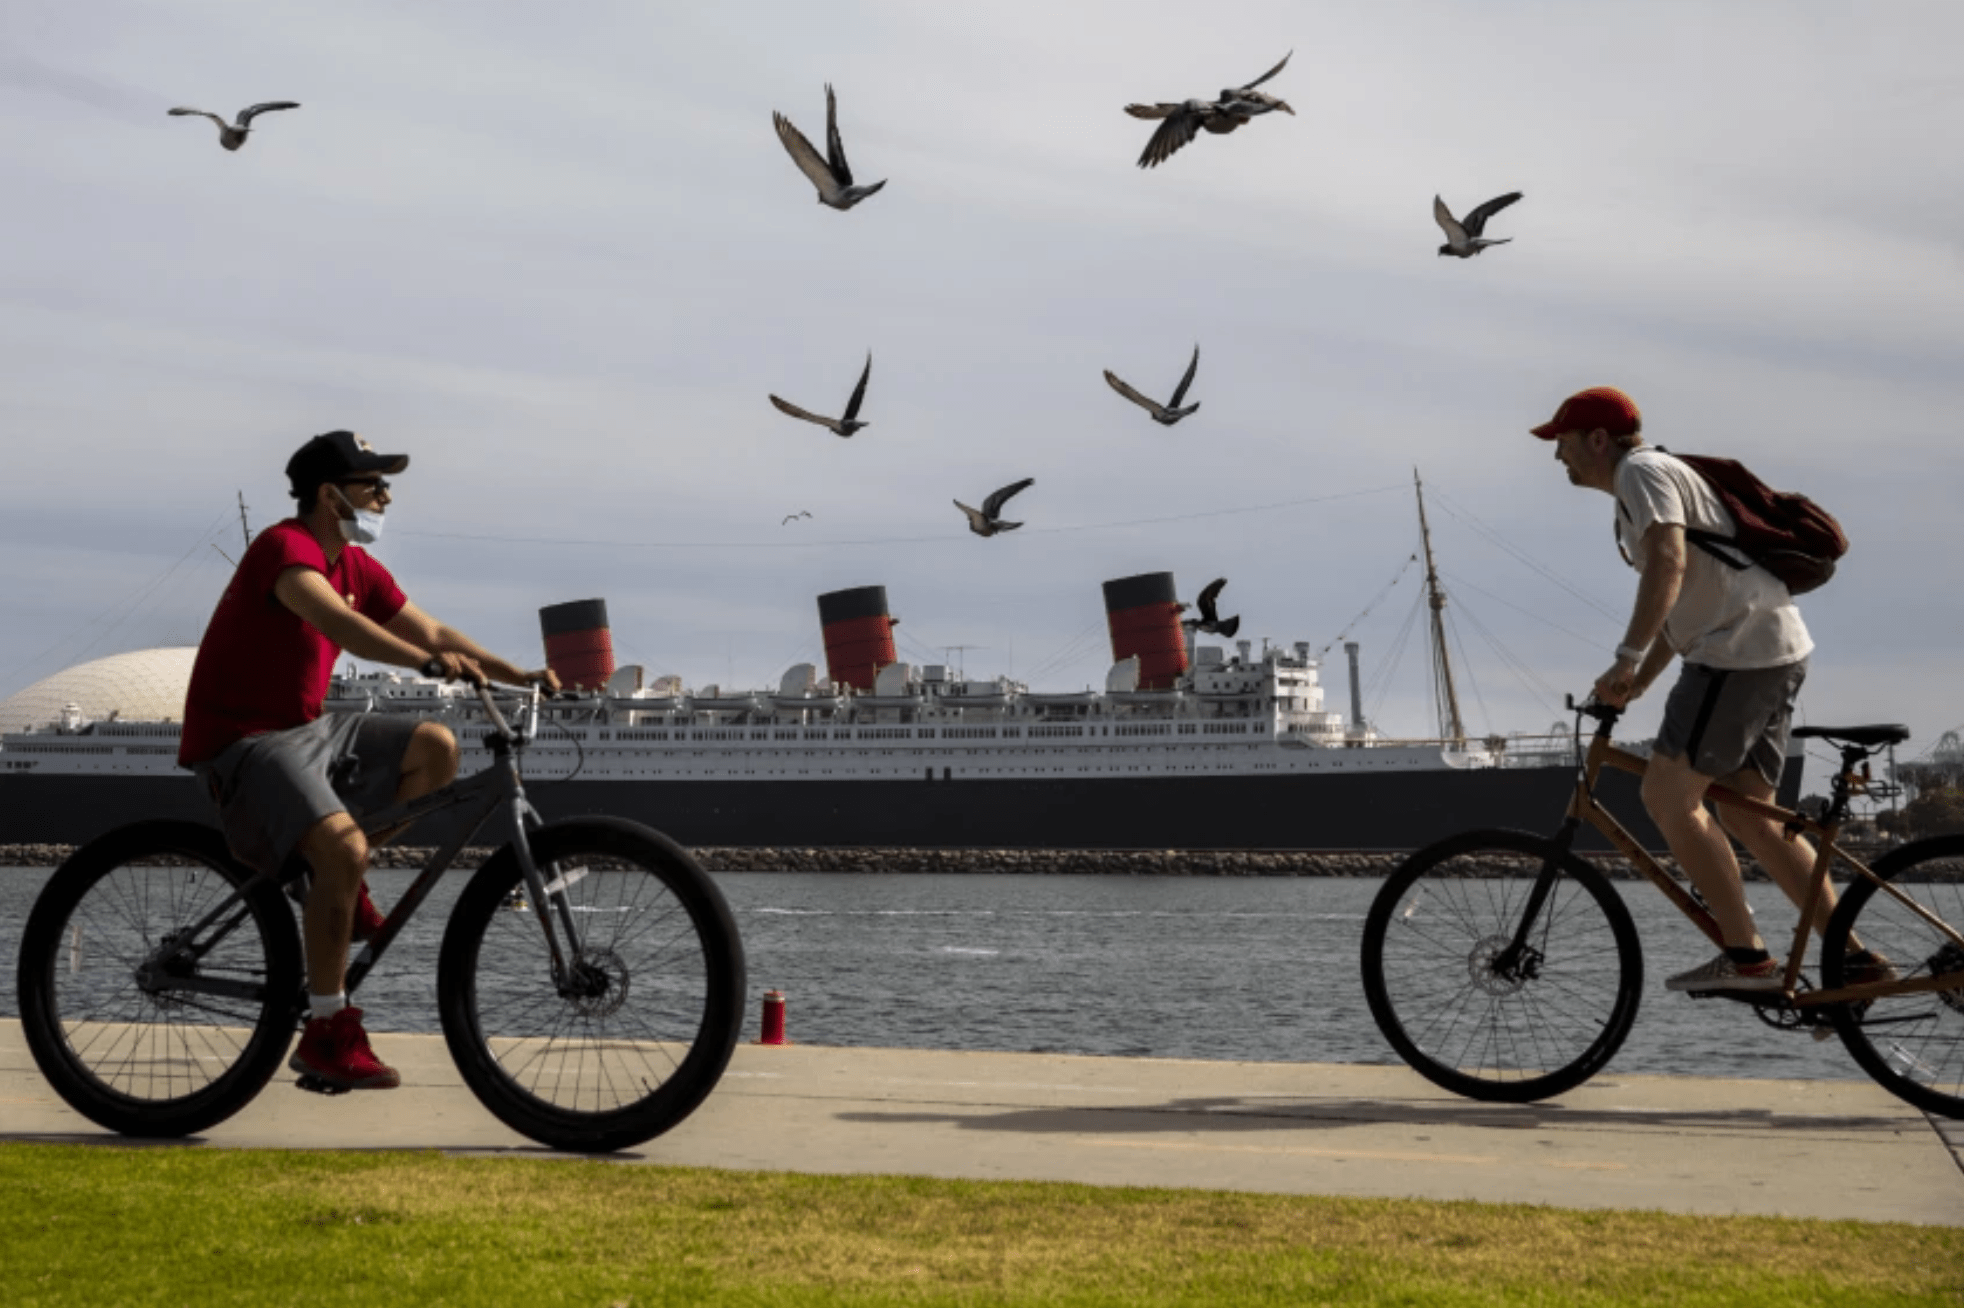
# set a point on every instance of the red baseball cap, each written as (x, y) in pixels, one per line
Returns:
(1599, 406)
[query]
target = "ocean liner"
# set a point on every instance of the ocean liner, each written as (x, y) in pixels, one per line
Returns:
(1188, 746)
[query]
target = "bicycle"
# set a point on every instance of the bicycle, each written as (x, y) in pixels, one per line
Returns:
(1503, 966)
(590, 982)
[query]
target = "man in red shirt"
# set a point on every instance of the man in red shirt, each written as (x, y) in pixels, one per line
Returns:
(289, 779)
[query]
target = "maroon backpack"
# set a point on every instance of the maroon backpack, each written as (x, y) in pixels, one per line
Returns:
(1788, 534)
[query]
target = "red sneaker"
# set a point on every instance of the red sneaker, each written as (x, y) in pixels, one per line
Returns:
(335, 1049)
(368, 918)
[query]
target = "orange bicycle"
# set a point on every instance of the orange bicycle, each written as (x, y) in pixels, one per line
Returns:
(1504, 966)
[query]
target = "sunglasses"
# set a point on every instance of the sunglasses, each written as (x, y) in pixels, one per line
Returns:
(377, 485)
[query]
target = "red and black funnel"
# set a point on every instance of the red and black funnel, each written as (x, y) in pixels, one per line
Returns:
(1144, 616)
(579, 645)
(858, 635)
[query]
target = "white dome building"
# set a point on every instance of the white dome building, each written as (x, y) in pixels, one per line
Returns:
(145, 685)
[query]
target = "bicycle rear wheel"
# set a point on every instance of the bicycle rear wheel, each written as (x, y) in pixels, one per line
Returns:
(142, 1026)
(1912, 1044)
(1543, 1026)
(638, 1033)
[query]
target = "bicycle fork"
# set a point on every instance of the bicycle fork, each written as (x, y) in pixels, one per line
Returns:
(1519, 960)
(551, 899)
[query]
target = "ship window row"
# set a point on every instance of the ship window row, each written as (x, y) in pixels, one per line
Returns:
(61, 749)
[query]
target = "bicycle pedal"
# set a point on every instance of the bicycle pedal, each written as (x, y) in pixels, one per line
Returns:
(317, 1085)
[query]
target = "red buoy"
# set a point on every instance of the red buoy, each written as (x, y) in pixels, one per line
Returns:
(579, 646)
(772, 1032)
(1143, 614)
(858, 635)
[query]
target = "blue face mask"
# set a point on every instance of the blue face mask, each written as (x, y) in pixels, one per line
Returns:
(365, 528)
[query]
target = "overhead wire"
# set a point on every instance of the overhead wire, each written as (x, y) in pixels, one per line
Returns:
(940, 538)
(1379, 685)
(1377, 599)
(130, 601)
(1493, 537)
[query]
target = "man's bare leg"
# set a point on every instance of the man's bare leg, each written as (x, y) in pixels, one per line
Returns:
(337, 851)
(429, 762)
(1789, 862)
(1674, 796)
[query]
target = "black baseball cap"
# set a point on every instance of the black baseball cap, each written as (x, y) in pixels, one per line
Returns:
(335, 456)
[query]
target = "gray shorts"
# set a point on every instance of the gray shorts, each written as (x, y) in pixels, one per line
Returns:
(1724, 719)
(272, 788)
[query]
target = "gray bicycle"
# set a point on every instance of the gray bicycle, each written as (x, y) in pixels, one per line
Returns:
(590, 982)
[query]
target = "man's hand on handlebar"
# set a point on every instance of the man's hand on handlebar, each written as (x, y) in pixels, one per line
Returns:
(545, 679)
(449, 666)
(1618, 686)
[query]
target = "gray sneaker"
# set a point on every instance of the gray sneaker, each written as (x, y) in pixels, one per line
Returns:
(1724, 974)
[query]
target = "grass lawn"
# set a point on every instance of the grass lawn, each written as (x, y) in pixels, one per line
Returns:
(199, 1227)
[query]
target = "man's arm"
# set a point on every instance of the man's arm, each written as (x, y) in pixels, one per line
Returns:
(1657, 593)
(308, 594)
(413, 625)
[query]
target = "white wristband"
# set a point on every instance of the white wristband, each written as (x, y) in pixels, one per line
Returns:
(1630, 654)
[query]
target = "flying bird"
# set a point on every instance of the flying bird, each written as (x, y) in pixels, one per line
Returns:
(233, 135)
(845, 426)
(1163, 414)
(1463, 239)
(829, 173)
(987, 520)
(1181, 120)
(1210, 620)
(793, 517)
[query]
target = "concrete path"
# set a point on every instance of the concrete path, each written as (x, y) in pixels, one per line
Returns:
(1842, 1149)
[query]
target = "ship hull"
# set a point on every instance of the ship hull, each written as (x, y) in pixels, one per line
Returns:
(1391, 811)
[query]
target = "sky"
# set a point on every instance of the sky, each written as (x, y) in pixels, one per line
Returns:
(561, 262)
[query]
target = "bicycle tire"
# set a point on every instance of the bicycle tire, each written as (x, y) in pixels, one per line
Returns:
(154, 1062)
(1912, 1044)
(582, 1073)
(1464, 1027)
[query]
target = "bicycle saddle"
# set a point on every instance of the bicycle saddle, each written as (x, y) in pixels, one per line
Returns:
(1879, 734)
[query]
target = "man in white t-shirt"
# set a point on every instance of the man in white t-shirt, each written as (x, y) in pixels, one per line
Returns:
(1745, 651)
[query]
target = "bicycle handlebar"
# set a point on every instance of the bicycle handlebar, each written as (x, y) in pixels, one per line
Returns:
(1606, 715)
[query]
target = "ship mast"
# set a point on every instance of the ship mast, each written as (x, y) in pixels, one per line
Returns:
(1444, 699)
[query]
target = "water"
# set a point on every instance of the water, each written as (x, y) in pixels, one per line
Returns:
(1260, 969)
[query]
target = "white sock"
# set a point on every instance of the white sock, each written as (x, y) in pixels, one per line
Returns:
(326, 1006)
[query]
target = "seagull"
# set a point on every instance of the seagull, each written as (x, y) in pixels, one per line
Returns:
(793, 517)
(1210, 620)
(830, 174)
(233, 135)
(1163, 414)
(845, 426)
(1235, 106)
(1463, 239)
(987, 520)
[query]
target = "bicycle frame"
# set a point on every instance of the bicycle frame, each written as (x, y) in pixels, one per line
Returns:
(1585, 807)
(497, 789)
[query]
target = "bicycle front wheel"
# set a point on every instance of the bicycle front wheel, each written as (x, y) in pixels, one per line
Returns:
(157, 993)
(1912, 1044)
(1464, 1015)
(637, 1031)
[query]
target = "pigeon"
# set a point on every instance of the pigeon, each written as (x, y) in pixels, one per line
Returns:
(830, 174)
(1181, 121)
(793, 517)
(233, 135)
(845, 426)
(1163, 414)
(1463, 239)
(1210, 620)
(987, 520)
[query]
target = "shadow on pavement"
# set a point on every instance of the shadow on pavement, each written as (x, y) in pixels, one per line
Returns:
(1235, 1113)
